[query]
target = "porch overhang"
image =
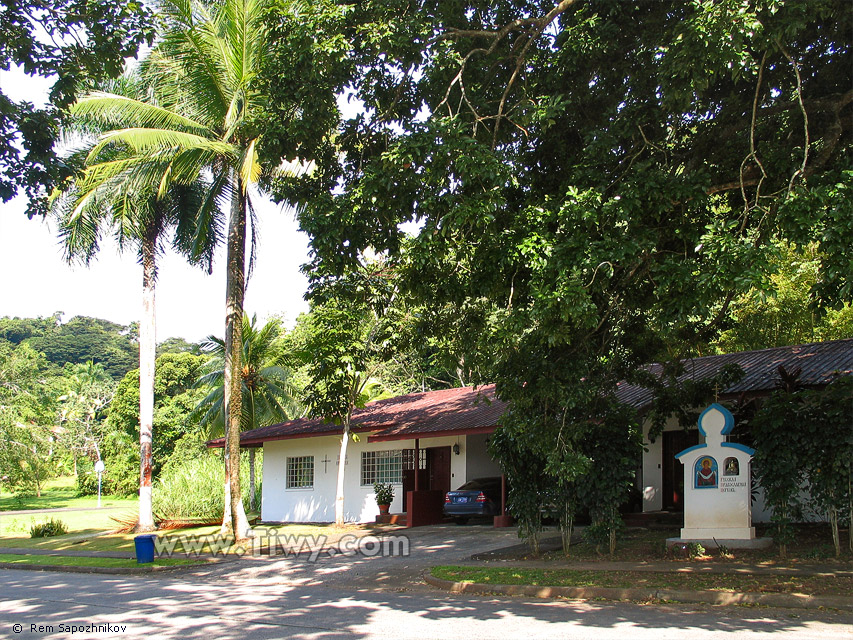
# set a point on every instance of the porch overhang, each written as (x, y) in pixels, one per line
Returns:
(412, 433)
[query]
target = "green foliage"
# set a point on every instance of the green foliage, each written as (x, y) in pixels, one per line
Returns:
(28, 394)
(16, 330)
(120, 455)
(177, 345)
(595, 184)
(613, 446)
(384, 493)
(74, 43)
(803, 441)
(783, 313)
(53, 527)
(346, 340)
(528, 483)
(174, 400)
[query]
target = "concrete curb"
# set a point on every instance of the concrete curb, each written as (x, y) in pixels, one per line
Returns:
(109, 570)
(786, 600)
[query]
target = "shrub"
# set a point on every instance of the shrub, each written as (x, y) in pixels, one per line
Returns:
(384, 493)
(48, 529)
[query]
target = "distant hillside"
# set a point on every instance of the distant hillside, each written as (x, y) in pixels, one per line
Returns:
(79, 340)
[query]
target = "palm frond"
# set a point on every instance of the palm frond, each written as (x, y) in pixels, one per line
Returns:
(113, 110)
(144, 140)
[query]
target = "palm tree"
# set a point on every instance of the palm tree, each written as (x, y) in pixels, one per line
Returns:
(267, 387)
(106, 195)
(203, 73)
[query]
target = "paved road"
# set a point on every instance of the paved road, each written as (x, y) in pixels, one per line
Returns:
(359, 597)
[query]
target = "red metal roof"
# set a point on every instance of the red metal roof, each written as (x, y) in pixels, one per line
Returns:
(428, 414)
(468, 410)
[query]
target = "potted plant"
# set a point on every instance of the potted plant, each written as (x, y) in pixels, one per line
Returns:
(384, 496)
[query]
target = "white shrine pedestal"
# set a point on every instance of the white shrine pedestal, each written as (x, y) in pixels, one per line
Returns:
(717, 487)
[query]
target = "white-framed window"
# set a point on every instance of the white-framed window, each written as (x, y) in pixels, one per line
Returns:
(388, 466)
(381, 466)
(300, 472)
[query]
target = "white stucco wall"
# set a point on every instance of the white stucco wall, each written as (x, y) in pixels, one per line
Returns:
(480, 464)
(317, 504)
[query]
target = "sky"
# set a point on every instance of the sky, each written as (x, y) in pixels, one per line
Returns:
(35, 280)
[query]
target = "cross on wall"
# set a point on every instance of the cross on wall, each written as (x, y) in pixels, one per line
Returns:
(326, 462)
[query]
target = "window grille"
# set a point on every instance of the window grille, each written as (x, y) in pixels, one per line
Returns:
(300, 472)
(381, 466)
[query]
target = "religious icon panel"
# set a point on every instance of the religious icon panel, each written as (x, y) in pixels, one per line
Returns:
(705, 473)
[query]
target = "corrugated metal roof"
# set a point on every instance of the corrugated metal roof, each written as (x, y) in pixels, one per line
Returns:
(446, 411)
(820, 363)
(467, 409)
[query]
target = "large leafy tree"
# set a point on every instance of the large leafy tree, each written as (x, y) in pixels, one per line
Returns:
(76, 43)
(203, 72)
(596, 181)
(28, 401)
(174, 399)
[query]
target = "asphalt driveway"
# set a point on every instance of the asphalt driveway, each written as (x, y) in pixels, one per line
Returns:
(427, 546)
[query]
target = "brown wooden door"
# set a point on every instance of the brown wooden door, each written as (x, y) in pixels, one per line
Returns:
(673, 471)
(438, 468)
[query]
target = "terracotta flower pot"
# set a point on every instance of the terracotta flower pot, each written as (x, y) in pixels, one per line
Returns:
(383, 509)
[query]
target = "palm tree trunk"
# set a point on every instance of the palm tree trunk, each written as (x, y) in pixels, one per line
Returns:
(147, 355)
(232, 397)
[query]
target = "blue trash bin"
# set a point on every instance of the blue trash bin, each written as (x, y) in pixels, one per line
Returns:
(145, 547)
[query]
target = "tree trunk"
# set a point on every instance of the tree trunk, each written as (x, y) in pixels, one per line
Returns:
(232, 397)
(567, 522)
(252, 478)
(836, 537)
(342, 459)
(147, 355)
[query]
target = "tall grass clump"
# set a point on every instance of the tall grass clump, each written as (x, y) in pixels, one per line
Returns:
(192, 490)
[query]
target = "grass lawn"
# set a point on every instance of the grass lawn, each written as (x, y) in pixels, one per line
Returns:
(813, 544)
(748, 583)
(71, 561)
(58, 493)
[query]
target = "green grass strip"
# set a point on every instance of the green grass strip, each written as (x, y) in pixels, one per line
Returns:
(731, 582)
(73, 561)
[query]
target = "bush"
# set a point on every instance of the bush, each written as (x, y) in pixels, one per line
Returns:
(48, 529)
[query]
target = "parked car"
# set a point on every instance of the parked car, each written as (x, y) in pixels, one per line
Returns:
(475, 498)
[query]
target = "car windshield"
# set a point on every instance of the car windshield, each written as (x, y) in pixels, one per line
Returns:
(478, 484)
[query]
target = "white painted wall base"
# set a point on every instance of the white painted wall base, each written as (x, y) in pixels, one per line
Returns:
(728, 533)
